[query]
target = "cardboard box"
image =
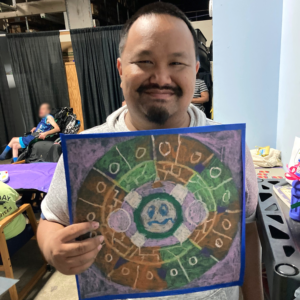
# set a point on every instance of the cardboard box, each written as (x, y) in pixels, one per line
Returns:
(94, 9)
(15, 29)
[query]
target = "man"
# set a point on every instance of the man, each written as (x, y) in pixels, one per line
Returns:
(41, 131)
(158, 68)
(201, 94)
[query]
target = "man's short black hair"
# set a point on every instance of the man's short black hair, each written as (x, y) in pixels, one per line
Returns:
(159, 8)
(48, 105)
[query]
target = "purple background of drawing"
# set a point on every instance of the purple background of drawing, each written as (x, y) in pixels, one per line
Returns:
(231, 155)
(83, 154)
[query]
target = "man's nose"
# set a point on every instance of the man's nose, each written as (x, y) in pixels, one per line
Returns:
(161, 76)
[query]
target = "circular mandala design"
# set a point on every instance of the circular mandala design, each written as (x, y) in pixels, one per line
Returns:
(168, 209)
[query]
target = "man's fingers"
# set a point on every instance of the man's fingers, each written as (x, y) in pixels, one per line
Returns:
(81, 247)
(81, 260)
(74, 231)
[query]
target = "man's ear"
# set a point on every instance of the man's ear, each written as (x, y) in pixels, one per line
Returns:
(119, 67)
(197, 66)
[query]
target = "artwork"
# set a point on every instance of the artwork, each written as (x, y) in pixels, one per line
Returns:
(170, 204)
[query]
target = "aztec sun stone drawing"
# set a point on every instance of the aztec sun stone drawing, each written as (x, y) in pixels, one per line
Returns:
(168, 208)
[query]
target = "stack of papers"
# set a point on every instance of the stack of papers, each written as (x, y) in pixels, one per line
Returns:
(284, 192)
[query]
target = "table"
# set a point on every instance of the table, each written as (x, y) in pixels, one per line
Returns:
(280, 240)
(34, 176)
(275, 173)
(6, 284)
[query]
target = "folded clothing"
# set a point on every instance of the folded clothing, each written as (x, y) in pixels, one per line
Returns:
(273, 159)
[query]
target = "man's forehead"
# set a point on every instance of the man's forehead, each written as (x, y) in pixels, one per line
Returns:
(157, 27)
(156, 23)
(149, 52)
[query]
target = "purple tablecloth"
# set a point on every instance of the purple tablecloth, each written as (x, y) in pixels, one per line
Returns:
(30, 176)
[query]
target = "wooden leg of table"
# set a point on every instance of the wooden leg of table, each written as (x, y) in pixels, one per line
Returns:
(7, 265)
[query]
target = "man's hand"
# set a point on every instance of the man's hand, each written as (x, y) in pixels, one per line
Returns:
(33, 129)
(43, 135)
(72, 257)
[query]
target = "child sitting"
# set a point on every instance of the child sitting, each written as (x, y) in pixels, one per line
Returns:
(41, 131)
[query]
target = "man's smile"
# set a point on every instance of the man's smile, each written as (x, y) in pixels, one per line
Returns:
(160, 94)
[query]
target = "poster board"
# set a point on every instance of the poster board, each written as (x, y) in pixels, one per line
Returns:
(171, 207)
(295, 156)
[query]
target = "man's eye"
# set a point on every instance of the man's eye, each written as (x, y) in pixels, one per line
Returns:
(145, 62)
(176, 63)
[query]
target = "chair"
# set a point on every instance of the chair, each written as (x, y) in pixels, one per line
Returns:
(67, 123)
(9, 247)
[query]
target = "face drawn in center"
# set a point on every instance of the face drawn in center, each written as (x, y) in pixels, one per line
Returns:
(158, 215)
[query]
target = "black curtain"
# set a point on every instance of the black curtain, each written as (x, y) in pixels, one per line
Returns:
(95, 53)
(39, 72)
(7, 123)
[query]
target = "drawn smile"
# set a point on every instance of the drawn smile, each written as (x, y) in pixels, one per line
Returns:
(165, 221)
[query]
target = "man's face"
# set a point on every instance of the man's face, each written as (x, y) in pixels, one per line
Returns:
(44, 111)
(158, 68)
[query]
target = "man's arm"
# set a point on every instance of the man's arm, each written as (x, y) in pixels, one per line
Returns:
(252, 287)
(55, 129)
(204, 98)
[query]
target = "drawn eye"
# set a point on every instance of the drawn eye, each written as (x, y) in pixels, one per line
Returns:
(151, 211)
(163, 210)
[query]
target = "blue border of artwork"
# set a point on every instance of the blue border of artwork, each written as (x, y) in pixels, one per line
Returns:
(243, 240)
(200, 129)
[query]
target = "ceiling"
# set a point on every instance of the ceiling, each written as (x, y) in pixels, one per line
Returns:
(196, 10)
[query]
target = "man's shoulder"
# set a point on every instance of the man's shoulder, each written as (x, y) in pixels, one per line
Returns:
(211, 122)
(97, 129)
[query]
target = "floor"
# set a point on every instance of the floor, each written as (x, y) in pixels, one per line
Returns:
(5, 162)
(53, 285)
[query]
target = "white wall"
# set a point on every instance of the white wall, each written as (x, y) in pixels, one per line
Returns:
(247, 37)
(206, 29)
(289, 82)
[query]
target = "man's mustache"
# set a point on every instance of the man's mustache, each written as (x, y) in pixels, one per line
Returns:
(176, 90)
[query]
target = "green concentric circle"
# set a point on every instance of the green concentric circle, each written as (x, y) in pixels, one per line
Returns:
(158, 235)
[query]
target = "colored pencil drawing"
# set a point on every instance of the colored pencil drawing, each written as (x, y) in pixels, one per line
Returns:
(169, 206)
